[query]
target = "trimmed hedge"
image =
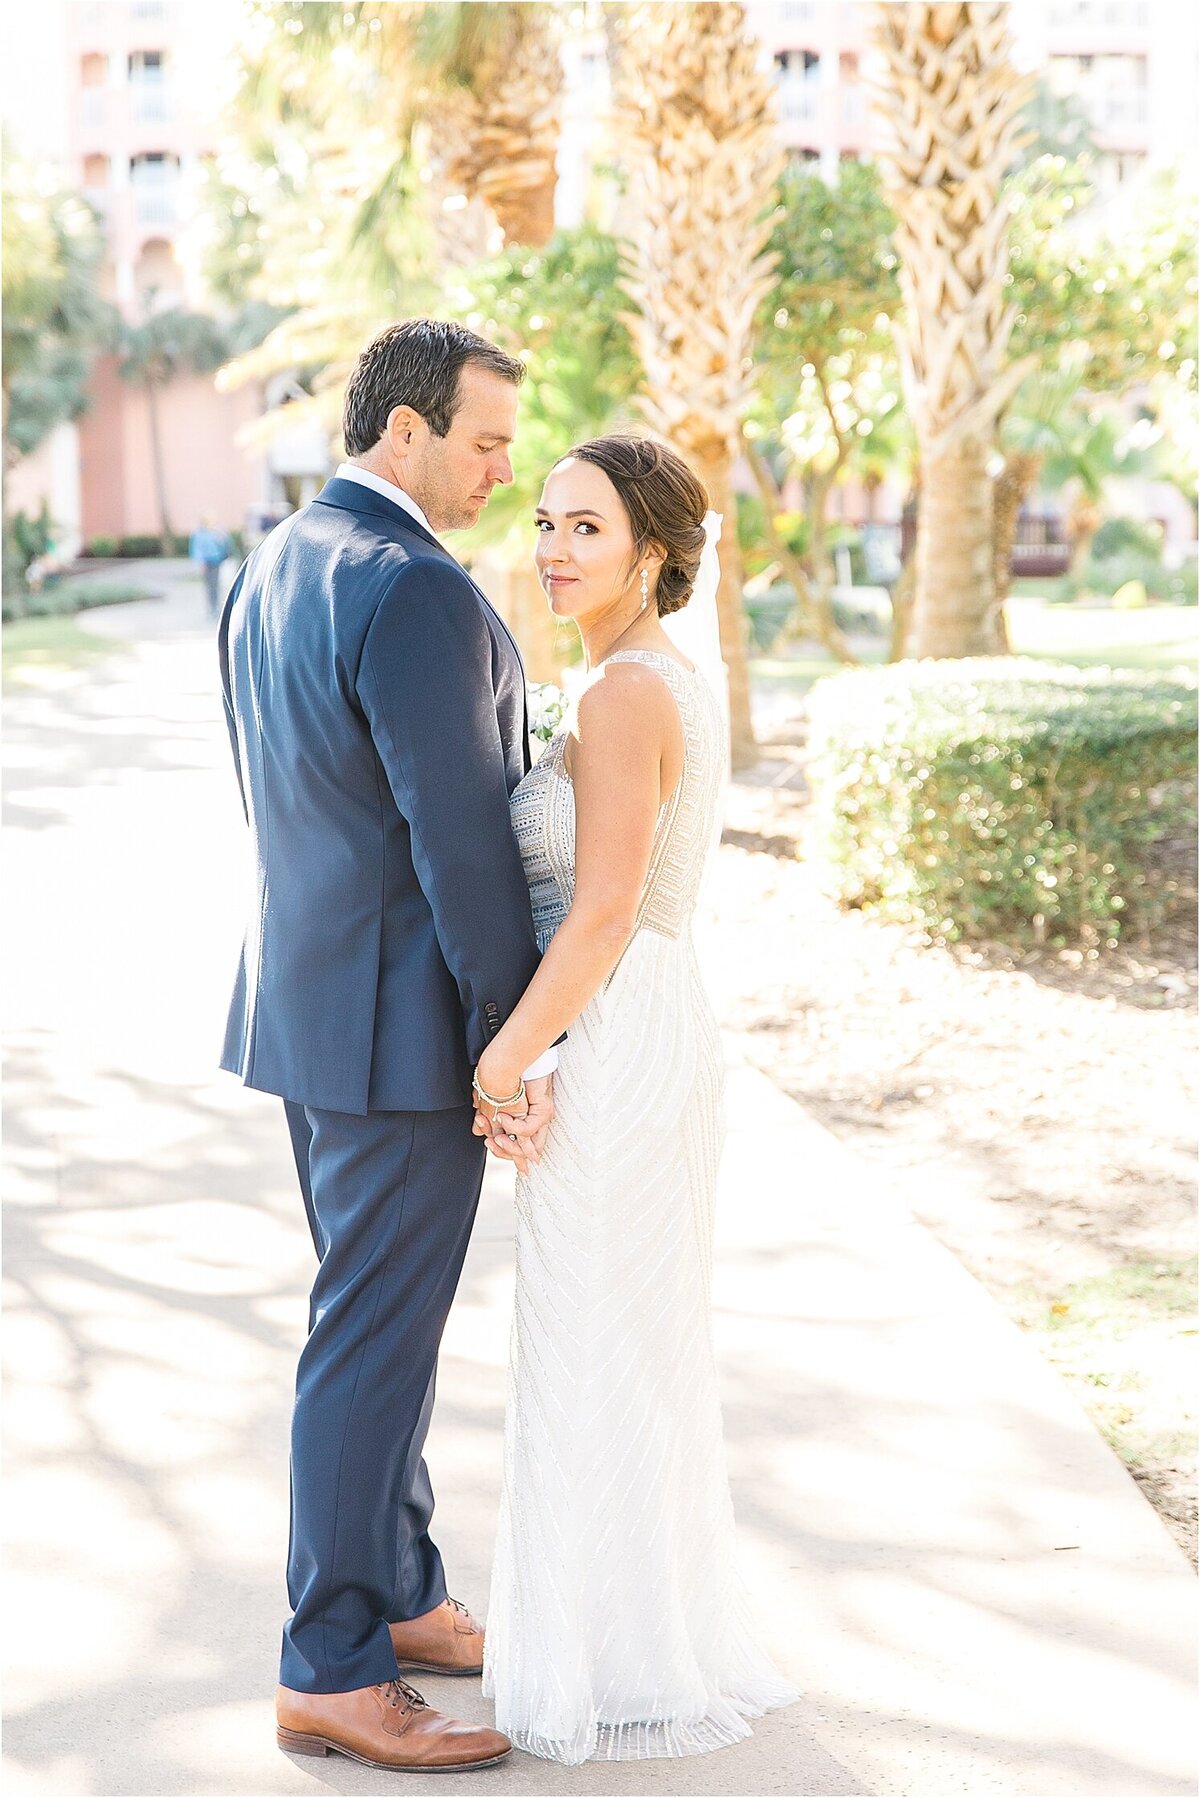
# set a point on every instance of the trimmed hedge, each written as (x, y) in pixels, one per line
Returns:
(1002, 797)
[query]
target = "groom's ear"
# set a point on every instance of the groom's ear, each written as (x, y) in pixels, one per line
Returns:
(401, 429)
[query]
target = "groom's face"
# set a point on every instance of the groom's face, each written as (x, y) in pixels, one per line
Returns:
(451, 477)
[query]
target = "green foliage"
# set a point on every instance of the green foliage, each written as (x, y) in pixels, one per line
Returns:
(559, 308)
(1117, 536)
(1002, 798)
(170, 342)
(319, 198)
(826, 366)
(1059, 125)
(33, 536)
(793, 527)
(1103, 575)
(64, 598)
(1114, 300)
(54, 319)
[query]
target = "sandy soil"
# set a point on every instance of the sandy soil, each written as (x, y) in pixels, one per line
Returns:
(1036, 1109)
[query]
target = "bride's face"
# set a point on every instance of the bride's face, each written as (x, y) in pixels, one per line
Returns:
(585, 549)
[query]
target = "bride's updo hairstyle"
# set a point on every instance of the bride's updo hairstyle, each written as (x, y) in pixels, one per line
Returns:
(665, 505)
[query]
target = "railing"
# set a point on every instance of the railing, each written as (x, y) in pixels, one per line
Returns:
(1038, 548)
(154, 203)
(1092, 19)
(797, 101)
(1115, 113)
(149, 103)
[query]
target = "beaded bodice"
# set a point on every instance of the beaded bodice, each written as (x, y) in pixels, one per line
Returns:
(543, 814)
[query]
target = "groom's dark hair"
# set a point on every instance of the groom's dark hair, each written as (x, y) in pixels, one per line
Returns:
(417, 364)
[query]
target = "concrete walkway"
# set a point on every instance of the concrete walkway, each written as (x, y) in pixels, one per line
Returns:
(973, 1594)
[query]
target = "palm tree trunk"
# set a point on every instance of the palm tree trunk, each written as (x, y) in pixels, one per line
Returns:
(160, 469)
(902, 605)
(952, 103)
(955, 583)
(694, 118)
(1015, 482)
(715, 471)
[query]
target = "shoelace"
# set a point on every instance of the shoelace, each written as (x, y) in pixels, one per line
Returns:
(458, 1606)
(400, 1692)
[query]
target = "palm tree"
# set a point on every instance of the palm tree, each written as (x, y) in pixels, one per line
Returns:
(497, 73)
(433, 102)
(695, 121)
(952, 102)
(166, 344)
(473, 90)
(1056, 435)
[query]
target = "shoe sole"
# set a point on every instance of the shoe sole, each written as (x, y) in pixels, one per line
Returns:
(434, 1667)
(292, 1742)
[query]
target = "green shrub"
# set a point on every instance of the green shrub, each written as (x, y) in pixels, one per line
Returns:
(1175, 586)
(1002, 797)
(138, 547)
(1117, 535)
(101, 546)
(767, 614)
(79, 596)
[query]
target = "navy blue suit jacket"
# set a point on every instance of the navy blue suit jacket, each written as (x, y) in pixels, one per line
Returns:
(376, 707)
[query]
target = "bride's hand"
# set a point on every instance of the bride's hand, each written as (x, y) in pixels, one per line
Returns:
(520, 1138)
(532, 1126)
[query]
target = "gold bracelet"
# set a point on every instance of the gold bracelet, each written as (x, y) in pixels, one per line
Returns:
(490, 1099)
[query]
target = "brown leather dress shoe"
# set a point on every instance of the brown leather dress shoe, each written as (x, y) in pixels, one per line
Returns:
(384, 1726)
(447, 1640)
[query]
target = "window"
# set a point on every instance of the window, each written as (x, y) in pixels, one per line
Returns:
(146, 65)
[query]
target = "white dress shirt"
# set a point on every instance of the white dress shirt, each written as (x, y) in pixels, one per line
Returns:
(350, 471)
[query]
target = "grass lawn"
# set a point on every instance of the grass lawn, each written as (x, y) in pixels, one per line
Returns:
(37, 649)
(1088, 636)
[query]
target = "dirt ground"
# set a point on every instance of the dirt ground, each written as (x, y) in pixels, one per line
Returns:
(1037, 1109)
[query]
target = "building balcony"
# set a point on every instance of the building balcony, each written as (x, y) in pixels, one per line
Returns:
(155, 204)
(149, 103)
(1124, 117)
(1097, 30)
(799, 102)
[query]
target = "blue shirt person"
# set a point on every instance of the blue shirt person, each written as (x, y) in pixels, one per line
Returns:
(210, 548)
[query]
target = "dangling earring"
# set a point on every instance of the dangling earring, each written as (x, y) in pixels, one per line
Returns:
(645, 589)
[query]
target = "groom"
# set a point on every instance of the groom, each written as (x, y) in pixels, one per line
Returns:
(376, 707)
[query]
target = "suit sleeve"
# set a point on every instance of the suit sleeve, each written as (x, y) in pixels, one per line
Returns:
(425, 684)
(226, 685)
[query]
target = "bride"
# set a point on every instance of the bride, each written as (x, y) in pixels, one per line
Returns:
(617, 1627)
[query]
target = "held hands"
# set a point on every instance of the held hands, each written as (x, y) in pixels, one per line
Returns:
(517, 1133)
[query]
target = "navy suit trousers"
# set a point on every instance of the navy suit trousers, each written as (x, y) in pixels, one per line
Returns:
(391, 1198)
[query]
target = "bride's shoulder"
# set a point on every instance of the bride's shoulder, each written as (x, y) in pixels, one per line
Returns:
(618, 684)
(622, 707)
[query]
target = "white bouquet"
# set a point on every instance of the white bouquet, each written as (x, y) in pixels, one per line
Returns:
(547, 709)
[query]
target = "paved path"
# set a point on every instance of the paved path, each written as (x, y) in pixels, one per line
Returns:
(943, 1553)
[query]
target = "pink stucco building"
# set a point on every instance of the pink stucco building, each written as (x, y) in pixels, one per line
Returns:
(141, 85)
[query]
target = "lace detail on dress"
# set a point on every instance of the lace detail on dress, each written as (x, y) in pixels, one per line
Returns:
(617, 1628)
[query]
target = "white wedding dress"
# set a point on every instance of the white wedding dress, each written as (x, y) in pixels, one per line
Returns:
(617, 1628)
